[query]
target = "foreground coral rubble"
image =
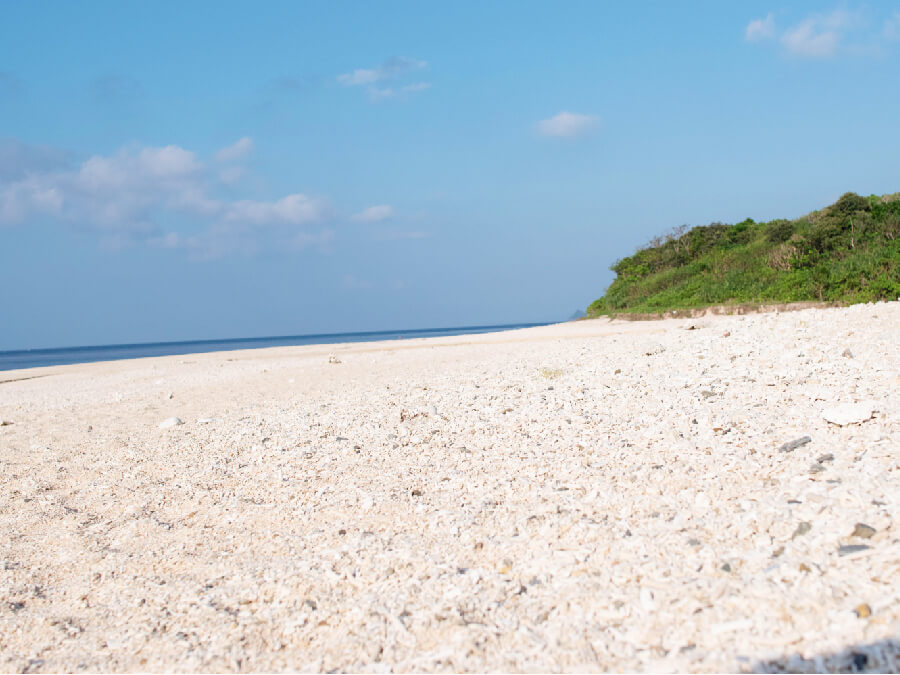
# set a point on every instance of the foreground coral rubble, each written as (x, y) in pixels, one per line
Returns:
(589, 496)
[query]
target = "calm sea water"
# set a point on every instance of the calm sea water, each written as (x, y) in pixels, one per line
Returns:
(32, 358)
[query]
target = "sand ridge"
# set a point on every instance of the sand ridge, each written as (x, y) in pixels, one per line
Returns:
(598, 495)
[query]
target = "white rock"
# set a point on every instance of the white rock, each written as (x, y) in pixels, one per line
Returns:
(169, 423)
(849, 413)
(204, 420)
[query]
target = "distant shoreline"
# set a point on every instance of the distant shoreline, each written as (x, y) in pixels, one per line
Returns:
(19, 359)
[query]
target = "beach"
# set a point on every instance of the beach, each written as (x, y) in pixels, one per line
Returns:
(718, 493)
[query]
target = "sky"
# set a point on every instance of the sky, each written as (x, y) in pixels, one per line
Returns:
(177, 171)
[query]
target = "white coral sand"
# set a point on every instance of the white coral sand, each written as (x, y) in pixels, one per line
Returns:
(588, 496)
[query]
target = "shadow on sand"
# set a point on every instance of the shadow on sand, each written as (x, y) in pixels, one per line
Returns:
(877, 657)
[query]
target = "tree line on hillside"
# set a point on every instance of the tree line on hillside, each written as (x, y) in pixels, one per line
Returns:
(847, 252)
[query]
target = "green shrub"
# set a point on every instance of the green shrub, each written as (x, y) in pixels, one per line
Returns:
(779, 231)
(848, 252)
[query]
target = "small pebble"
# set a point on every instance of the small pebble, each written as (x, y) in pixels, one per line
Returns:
(802, 529)
(863, 531)
(847, 353)
(828, 457)
(863, 611)
(790, 446)
(852, 548)
(169, 423)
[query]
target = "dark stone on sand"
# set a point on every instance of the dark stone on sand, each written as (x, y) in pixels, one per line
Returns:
(863, 531)
(790, 446)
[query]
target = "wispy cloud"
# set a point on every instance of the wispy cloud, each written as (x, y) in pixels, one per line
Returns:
(380, 93)
(296, 209)
(18, 159)
(567, 125)
(400, 235)
(114, 87)
(892, 26)
(320, 240)
(127, 196)
(824, 35)
(354, 283)
(236, 150)
(818, 35)
(390, 69)
(374, 214)
(375, 79)
(760, 29)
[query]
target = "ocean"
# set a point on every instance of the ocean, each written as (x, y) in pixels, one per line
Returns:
(34, 358)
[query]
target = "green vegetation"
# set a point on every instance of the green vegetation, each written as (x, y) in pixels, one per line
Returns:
(848, 252)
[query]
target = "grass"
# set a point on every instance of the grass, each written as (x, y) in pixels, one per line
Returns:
(845, 253)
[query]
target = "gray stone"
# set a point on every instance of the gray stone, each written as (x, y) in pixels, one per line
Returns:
(863, 531)
(802, 529)
(790, 446)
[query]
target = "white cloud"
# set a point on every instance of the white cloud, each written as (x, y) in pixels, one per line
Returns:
(567, 125)
(817, 36)
(119, 191)
(760, 29)
(296, 209)
(805, 39)
(826, 34)
(126, 196)
(359, 76)
(374, 214)
(238, 149)
(390, 69)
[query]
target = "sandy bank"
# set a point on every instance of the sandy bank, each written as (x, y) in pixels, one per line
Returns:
(598, 495)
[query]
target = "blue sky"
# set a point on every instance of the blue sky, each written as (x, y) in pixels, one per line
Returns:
(209, 170)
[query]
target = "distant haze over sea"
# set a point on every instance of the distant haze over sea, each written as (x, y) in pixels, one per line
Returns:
(35, 358)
